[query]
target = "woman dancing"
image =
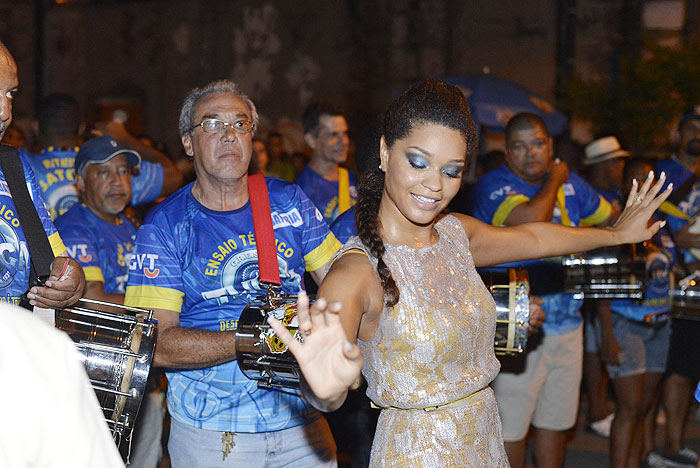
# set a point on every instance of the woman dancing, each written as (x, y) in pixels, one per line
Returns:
(411, 298)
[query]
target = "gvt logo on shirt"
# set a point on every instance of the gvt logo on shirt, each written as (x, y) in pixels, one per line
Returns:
(79, 251)
(146, 262)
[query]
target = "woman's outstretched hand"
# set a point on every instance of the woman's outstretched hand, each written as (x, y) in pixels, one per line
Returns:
(329, 362)
(642, 202)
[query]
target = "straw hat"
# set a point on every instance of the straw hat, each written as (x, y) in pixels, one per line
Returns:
(603, 149)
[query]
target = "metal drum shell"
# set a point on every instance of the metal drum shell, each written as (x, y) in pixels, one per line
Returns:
(255, 341)
(607, 273)
(116, 351)
(510, 289)
(686, 300)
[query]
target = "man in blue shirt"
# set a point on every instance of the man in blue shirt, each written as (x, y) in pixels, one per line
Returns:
(532, 186)
(332, 188)
(101, 239)
(66, 281)
(683, 368)
(196, 264)
(59, 121)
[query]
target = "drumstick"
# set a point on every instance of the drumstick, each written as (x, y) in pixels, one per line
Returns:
(64, 270)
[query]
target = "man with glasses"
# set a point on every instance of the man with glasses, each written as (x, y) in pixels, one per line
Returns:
(195, 263)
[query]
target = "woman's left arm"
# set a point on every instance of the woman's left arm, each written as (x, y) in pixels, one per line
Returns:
(491, 245)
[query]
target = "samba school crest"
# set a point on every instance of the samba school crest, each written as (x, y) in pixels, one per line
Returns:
(288, 316)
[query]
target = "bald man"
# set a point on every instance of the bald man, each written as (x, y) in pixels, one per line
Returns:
(66, 282)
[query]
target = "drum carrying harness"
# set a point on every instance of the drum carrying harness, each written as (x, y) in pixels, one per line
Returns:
(40, 253)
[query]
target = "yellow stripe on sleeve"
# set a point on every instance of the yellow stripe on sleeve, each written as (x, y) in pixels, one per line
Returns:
(343, 190)
(323, 253)
(154, 297)
(505, 208)
(93, 273)
(600, 215)
(671, 209)
(57, 244)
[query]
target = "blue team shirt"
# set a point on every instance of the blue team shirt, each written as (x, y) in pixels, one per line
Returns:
(14, 251)
(102, 249)
(324, 193)
(343, 227)
(499, 191)
(203, 264)
(55, 171)
(660, 256)
(690, 205)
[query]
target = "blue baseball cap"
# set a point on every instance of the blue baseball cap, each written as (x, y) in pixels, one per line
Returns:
(690, 113)
(100, 150)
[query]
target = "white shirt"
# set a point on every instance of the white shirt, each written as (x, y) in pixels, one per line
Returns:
(49, 414)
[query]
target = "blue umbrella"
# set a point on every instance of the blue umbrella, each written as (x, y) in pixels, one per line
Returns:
(493, 101)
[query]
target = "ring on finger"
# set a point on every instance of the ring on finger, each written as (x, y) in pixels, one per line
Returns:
(639, 199)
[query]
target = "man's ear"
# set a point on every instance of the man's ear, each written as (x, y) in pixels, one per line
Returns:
(310, 140)
(80, 183)
(187, 144)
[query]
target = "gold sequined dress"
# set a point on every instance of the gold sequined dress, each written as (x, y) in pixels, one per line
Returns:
(434, 348)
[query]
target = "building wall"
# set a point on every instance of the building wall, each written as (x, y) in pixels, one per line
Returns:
(149, 53)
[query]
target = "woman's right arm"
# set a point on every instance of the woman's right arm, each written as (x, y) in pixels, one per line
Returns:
(349, 304)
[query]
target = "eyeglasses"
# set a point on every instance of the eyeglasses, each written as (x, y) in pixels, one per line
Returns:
(218, 126)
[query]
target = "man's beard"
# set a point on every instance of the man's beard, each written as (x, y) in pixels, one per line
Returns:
(2, 129)
(693, 147)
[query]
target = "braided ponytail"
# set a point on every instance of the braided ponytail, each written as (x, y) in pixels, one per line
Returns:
(371, 187)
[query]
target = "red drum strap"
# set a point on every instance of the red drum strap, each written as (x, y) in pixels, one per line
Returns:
(264, 234)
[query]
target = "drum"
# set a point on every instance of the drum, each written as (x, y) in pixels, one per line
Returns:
(116, 350)
(608, 273)
(685, 296)
(260, 353)
(510, 289)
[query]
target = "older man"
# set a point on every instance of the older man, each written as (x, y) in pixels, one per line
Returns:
(196, 264)
(60, 124)
(66, 281)
(532, 186)
(101, 239)
(331, 187)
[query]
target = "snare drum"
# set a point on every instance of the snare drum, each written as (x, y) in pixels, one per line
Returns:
(511, 292)
(685, 296)
(608, 273)
(260, 353)
(116, 351)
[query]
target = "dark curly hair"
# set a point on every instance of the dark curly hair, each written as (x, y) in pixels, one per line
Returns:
(427, 102)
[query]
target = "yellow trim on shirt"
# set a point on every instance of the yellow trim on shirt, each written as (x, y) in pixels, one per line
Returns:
(93, 273)
(561, 201)
(56, 244)
(505, 208)
(154, 297)
(323, 253)
(600, 215)
(671, 209)
(343, 190)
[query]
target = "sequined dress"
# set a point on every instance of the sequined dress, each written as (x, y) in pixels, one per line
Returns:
(435, 347)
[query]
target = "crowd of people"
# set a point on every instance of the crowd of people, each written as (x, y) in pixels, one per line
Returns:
(398, 349)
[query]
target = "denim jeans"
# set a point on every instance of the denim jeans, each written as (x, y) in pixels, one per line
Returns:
(297, 447)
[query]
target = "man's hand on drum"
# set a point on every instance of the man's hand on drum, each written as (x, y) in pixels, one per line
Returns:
(63, 288)
(537, 315)
(641, 204)
(329, 362)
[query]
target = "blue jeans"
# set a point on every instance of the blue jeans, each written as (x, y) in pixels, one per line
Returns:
(297, 447)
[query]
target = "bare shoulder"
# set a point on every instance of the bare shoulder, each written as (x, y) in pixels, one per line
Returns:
(349, 273)
(469, 223)
(353, 282)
